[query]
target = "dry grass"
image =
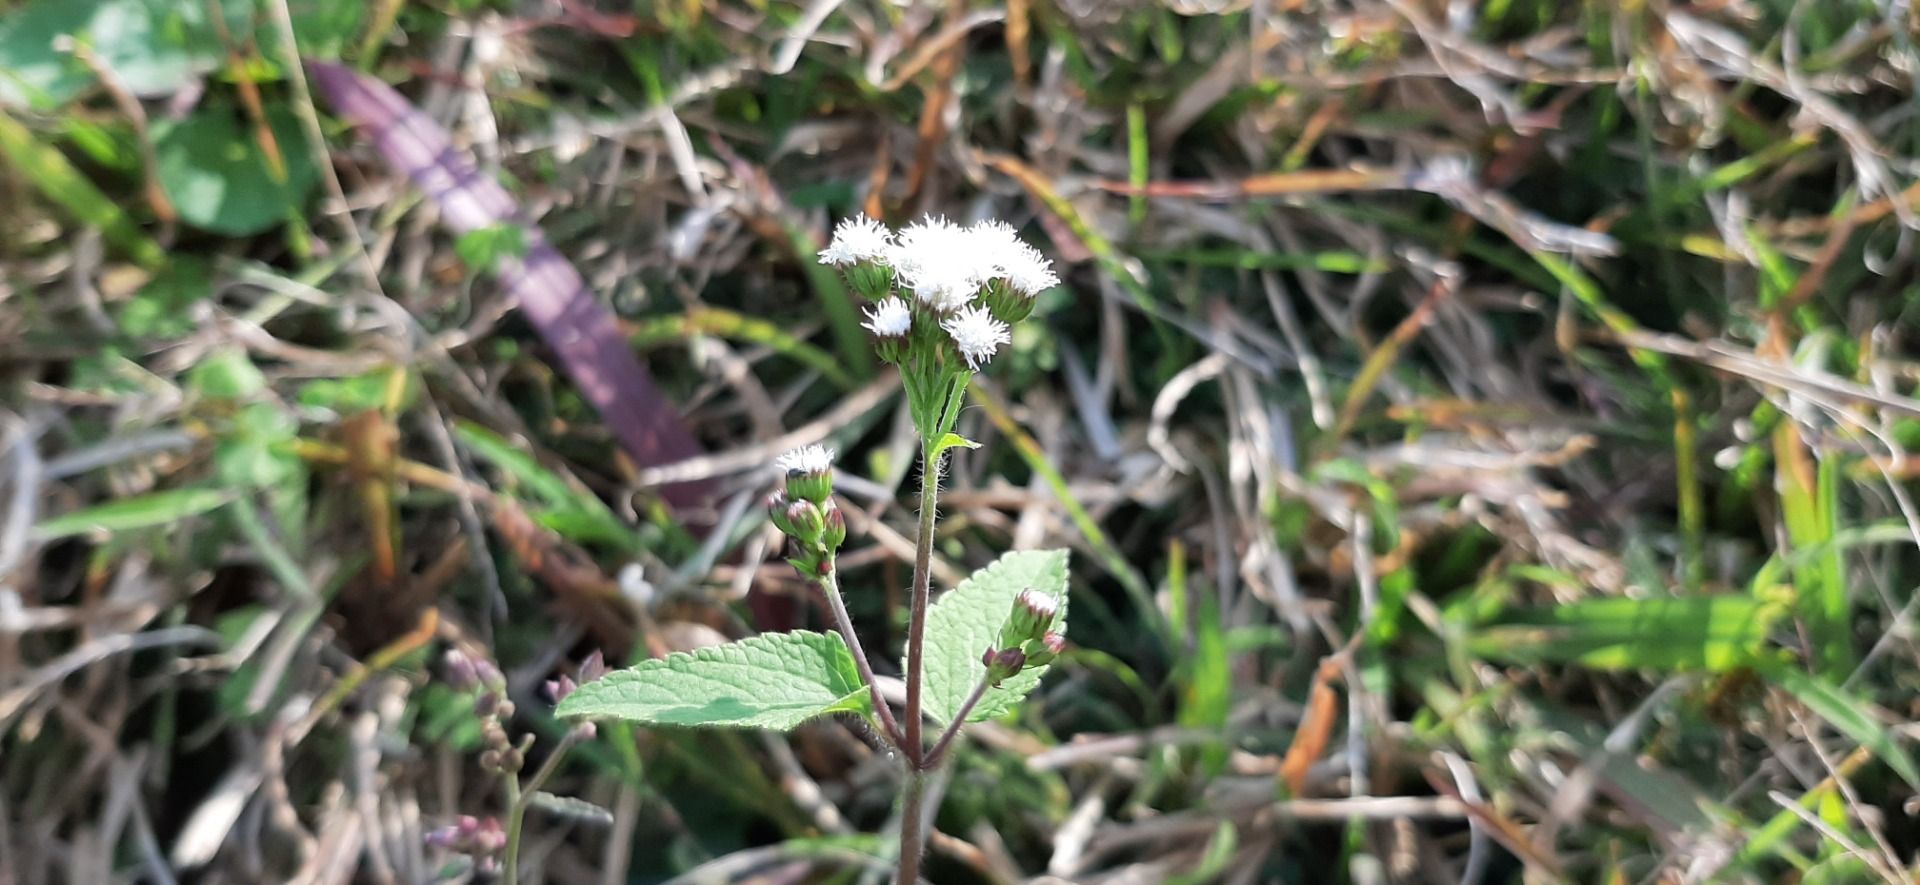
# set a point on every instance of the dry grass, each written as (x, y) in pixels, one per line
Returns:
(1482, 430)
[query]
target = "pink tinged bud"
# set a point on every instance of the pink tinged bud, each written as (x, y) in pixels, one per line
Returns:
(777, 511)
(808, 523)
(1003, 663)
(594, 667)
(836, 527)
(1045, 650)
(462, 675)
(1032, 616)
(560, 687)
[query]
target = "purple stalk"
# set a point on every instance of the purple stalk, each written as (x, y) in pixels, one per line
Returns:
(550, 292)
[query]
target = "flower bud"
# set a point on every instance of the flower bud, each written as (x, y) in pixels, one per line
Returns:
(594, 667)
(1003, 663)
(558, 688)
(1032, 616)
(807, 521)
(777, 511)
(462, 675)
(1044, 650)
(836, 527)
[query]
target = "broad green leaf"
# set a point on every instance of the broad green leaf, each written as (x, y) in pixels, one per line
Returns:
(218, 176)
(776, 681)
(965, 621)
(145, 511)
(1850, 715)
(1713, 633)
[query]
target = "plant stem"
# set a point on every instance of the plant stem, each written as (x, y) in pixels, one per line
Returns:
(912, 815)
(830, 585)
(518, 799)
(922, 582)
(939, 752)
(510, 868)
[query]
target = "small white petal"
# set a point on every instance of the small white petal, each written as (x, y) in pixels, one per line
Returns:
(891, 318)
(940, 262)
(977, 334)
(807, 459)
(858, 239)
(1028, 272)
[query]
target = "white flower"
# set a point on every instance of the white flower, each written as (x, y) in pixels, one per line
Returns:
(977, 334)
(1027, 271)
(1004, 256)
(889, 319)
(941, 262)
(806, 459)
(858, 239)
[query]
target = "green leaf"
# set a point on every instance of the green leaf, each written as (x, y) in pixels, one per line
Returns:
(145, 511)
(953, 441)
(1853, 717)
(226, 374)
(965, 621)
(483, 249)
(217, 175)
(50, 172)
(776, 681)
(1714, 633)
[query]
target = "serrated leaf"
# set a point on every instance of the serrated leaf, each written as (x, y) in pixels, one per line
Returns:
(775, 681)
(965, 621)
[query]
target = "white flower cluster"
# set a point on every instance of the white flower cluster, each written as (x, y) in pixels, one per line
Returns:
(949, 268)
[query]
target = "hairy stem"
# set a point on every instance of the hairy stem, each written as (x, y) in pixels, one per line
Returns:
(912, 817)
(830, 585)
(922, 583)
(939, 752)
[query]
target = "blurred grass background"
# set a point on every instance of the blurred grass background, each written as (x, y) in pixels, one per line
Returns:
(1483, 429)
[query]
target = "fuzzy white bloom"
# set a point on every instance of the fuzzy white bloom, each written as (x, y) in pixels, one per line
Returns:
(858, 239)
(806, 459)
(891, 318)
(977, 334)
(1028, 271)
(1002, 255)
(940, 261)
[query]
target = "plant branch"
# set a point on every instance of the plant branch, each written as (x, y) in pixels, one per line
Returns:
(939, 752)
(519, 797)
(830, 585)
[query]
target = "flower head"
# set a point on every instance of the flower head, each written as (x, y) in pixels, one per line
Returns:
(938, 260)
(977, 334)
(806, 460)
(1027, 271)
(858, 239)
(891, 318)
(809, 471)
